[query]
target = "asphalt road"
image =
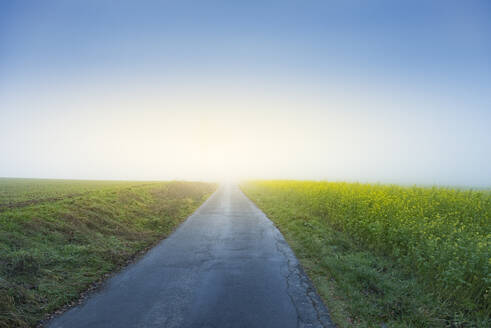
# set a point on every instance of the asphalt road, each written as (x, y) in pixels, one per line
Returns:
(225, 266)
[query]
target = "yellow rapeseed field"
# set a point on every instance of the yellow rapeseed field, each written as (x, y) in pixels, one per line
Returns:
(443, 235)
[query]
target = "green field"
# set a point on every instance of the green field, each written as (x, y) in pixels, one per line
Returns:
(58, 237)
(21, 192)
(388, 255)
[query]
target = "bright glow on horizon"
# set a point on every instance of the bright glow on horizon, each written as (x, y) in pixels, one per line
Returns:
(189, 93)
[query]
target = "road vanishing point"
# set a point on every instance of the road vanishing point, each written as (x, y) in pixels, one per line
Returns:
(226, 266)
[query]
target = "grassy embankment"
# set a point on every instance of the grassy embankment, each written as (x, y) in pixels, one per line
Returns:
(58, 237)
(388, 255)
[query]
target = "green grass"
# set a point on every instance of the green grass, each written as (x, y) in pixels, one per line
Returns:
(16, 192)
(75, 232)
(399, 256)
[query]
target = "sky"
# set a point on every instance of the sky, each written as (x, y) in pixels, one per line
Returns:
(368, 91)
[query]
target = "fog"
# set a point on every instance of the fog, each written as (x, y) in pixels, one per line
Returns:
(162, 91)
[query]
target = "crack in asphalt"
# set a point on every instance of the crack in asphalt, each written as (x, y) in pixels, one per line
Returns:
(287, 279)
(311, 295)
(302, 278)
(227, 266)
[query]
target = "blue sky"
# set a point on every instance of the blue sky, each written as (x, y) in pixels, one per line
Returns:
(380, 91)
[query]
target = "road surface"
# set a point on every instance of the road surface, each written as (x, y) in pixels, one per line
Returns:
(225, 266)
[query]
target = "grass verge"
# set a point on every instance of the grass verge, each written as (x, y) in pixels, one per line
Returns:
(52, 251)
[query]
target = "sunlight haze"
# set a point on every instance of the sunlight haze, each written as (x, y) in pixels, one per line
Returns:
(325, 90)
